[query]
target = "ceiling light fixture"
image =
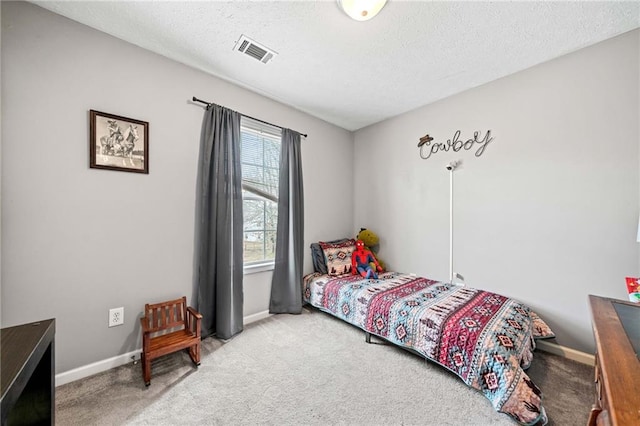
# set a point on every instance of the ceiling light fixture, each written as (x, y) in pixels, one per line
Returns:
(361, 10)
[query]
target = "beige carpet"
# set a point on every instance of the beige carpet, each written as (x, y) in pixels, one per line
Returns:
(307, 369)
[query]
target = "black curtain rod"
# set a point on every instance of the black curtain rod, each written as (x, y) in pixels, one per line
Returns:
(208, 104)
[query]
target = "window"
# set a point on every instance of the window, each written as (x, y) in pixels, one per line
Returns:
(260, 175)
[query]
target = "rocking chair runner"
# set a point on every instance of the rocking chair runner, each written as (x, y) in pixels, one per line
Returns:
(168, 327)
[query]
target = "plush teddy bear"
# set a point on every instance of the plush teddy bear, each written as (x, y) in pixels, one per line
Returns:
(371, 240)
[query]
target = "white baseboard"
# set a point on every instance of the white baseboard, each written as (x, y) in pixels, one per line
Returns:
(572, 354)
(95, 368)
(117, 361)
(256, 317)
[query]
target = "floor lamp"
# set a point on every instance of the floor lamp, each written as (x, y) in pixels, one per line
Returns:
(452, 167)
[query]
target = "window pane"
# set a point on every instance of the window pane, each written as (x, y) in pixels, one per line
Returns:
(253, 175)
(271, 180)
(272, 153)
(271, 216)
(253, 246)
(253, 212)
(252, 148)
(270, 246)
(260, 174)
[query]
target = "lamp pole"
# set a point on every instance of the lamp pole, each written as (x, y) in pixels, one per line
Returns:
(451, 167)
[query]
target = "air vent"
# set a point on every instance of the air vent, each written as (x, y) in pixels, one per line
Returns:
(254, 49)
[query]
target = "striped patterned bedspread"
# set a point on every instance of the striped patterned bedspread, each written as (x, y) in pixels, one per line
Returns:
(485, 338)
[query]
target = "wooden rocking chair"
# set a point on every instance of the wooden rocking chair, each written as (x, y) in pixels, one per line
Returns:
(168, 327)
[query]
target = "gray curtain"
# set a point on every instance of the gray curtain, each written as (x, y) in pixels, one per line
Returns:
(219, 266)
(286, 285)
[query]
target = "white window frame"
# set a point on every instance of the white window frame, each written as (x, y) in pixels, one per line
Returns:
(250, 125)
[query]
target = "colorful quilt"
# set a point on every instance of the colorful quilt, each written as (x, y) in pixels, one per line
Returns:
(485, 338)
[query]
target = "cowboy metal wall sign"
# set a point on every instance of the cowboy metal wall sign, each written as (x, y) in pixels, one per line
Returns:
(454, 144)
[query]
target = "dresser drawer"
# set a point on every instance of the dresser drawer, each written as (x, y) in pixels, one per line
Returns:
(617, 369)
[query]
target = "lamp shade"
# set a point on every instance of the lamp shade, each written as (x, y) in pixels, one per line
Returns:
(361, 10)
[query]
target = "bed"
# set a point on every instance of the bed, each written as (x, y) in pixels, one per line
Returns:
(484, 338)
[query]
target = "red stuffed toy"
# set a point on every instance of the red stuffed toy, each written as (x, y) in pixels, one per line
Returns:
(361, 260)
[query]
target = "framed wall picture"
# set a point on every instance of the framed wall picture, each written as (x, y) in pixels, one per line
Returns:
(118, 143)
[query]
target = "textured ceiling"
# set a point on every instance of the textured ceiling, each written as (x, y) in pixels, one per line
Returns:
(350, 73)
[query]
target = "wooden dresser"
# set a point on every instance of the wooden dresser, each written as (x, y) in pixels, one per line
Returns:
(616, 328)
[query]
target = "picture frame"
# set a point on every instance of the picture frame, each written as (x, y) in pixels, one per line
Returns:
(118, 143)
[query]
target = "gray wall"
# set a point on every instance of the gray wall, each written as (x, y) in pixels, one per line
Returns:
(78, 241)
(0, 174)
(548, 214)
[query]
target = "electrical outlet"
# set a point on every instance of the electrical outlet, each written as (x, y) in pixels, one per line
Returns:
(116, 316)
